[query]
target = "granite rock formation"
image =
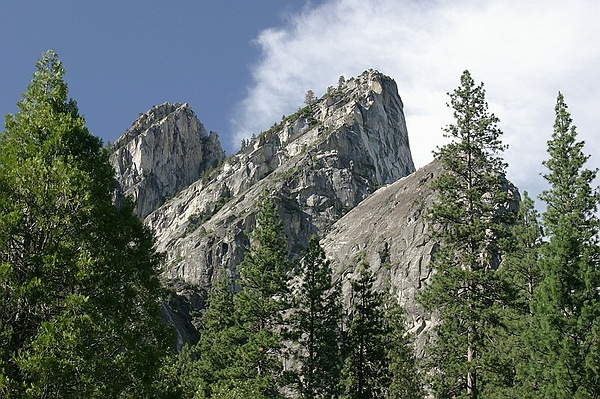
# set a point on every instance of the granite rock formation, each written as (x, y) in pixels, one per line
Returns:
(340, 168)
(164, 150)
(317, 164)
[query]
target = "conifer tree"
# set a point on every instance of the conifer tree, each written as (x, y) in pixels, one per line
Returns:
(316, 324)
(80, 314)
(405, 379)
(470, 221)
(520, 269)
(259, 308)
(567, 302)
(203, 366)
(365, 373)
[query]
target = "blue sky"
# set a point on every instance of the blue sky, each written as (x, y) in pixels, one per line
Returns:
(242, 64)
(122, 57)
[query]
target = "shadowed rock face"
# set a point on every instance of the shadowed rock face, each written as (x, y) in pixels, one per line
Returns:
(165, 150)
(388, 231)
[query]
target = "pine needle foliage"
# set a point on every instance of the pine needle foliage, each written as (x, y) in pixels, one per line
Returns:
(567, 303)
(78, 277)
(316, 322)
(469, 219)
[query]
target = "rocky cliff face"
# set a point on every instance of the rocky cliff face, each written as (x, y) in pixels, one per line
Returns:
(388, 231)
(340, 167)
(165, 150)
(317, 164)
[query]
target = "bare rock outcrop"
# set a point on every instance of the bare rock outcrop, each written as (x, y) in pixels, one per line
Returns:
(165, 150)
(387, 230)
(317, 164)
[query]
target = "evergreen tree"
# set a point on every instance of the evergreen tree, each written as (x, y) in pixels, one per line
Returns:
(219, 333)
(567, 302)
(522, 262)
(259, 308)
(78, 277)
(522, 273)
(199, 368)
(405, 380)
(470, 221)
(365, 372)
(316, 319)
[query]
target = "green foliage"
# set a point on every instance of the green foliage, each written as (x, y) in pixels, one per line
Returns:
(520, 269)
(471, 225)
(365, 368)
(262, 302)
(78, 277)
(241, 347)
(379, 359)
(316, 322)
(406, 380)
(567, 303)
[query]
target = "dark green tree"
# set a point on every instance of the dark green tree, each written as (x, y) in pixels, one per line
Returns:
(521, 271)
(260, 308)
(199, 368)
(405, 377)
(365, 372)
(567, 301)
(316, 325)
(469, 219)
(79, 289)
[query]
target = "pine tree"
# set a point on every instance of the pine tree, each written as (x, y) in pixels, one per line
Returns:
(365, 371)
(470, 221)
(315, 328)
(201, 368)
(567, 302)
(522, 274)
(260, 308)
(78, 277)
(405, 379)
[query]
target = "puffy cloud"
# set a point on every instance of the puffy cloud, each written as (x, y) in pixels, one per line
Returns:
(524, 52)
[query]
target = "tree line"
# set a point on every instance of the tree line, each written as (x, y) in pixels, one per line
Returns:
(517, 294)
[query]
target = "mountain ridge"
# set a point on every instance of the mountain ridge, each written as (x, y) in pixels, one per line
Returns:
(338, 161)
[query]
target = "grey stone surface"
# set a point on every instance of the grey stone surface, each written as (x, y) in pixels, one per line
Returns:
(317, 165)
(165, 150)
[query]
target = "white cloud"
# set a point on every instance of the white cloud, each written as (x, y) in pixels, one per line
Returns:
(524, 52)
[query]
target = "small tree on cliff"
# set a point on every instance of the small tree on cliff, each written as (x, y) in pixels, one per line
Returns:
(469, 224)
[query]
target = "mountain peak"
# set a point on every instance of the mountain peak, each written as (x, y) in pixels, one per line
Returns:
(166, 149)
(317, 165)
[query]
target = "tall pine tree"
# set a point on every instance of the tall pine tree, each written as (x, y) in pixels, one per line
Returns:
(470, 221)
(316, 325)
(78, 277)
(260, 310)
(567, 302)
